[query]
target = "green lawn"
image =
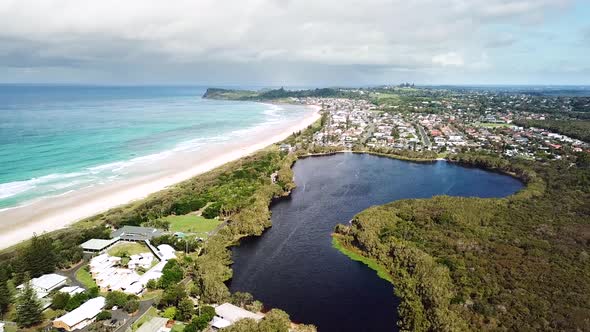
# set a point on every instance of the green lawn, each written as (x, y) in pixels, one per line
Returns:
(85, 278)
(495, 125)
(192, 224)
(126, 249)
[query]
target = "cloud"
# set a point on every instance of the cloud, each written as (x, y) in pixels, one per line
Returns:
(448, 59)
(399, 34)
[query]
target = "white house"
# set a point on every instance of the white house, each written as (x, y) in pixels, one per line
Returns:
(72, 290)
(227, 314)
(143, 260)
(46, 283)
(166, 252)
(81, 316)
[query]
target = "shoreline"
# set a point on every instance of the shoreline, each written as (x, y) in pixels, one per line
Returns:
(53, 213)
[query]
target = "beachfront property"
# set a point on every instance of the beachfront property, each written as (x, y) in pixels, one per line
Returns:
(143, 260)
(109, 275)
(94, 246)
(227, 314)
(136, 233)
(81, 316)
(46, 284)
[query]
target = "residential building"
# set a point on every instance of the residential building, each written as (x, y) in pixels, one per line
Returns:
(82, 316)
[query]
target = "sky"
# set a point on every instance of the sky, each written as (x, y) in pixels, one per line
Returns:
(295, 42)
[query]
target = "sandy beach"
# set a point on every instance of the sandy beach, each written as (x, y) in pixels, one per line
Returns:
(49, 214)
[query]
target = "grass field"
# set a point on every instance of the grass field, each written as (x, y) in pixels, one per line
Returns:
(85, 278)
(495, 125)
(192, 224)
(123, 249)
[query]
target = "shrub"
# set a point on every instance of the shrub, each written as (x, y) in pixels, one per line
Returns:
(169, 313)
(60, 301)
(131, 306)
(104, 315)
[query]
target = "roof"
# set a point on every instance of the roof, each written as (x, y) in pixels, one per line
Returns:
(136, 233)
(72, 290)
(232, 313)
(98, 244)
(153, 325)
(166, 252)
(86, 311)
(46, 282)
(219, 323)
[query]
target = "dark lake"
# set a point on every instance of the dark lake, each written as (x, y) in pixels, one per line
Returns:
(293, 266)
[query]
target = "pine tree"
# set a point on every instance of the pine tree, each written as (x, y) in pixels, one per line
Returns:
(39, 257)
(28, 307)
(4, 291)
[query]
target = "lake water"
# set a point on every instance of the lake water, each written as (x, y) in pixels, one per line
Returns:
(293, 266)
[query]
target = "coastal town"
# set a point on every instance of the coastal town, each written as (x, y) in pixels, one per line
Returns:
(162, 265)
(477, 121)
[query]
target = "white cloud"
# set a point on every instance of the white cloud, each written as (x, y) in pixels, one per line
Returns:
(392, 33)
(448, 59)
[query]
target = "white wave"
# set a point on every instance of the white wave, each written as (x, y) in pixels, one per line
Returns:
(11, 189)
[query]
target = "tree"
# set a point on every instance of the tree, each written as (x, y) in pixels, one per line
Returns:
(5, 296)
(275, 321)
(131, 306)
(172, 274)
(38, 257)
(60, 301)
(186, 309)
(104, 315)
(169, 313)
(28, 307)
(242, 299)
(116, 298)
(172, 295)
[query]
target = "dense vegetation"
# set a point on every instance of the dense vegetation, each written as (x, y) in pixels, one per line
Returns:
(519, 263)
(579, 129)
(275, 94)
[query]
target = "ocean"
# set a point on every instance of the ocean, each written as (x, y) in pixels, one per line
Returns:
(55, 139)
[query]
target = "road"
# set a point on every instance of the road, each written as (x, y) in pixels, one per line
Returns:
(424, 136)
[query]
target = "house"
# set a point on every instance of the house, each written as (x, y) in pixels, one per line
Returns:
(94, 246)
(72, 290)
(285, 147)
(46, 284)
(81, 316)
(143, 260)
(103, 262)
(166, 252)
(227, 314)
(136, 233)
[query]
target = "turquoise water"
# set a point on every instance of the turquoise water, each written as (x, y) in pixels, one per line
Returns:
(55, 139)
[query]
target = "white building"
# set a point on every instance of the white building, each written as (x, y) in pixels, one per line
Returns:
(143, 260)
(166, 252)
(46, 283)
(72, 290)
(81, 316)
(227, 314)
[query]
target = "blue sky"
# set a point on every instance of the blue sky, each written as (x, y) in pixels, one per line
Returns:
(295, 42)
